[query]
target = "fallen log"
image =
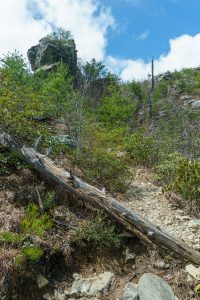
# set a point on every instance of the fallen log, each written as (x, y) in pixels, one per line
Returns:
(140, 227)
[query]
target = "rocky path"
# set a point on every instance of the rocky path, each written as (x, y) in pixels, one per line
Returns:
(147, 200)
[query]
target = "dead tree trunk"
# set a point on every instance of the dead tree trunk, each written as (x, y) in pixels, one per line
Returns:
(152, 89)
(140, 227)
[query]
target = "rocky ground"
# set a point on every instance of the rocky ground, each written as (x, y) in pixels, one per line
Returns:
(83, 272)
(148, 200)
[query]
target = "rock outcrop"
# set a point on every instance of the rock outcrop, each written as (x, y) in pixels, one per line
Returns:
(150, 287)
(49, 52)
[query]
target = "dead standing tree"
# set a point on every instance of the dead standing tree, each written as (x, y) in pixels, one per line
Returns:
(151, 89)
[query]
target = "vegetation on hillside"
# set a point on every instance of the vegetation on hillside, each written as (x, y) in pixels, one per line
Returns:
(113, 137)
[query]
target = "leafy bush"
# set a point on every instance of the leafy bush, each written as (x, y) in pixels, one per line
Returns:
(32, 253)
(34, 223)
(100, 232)
(10, 161)
(104, 167)
(116, 110)
(10, 237)
(181, 175)
(48, 201)
(142, 148)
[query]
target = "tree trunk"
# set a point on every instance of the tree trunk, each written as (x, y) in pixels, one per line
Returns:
(140, 227)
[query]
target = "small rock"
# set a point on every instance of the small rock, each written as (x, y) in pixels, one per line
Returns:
(134, 267)
(160, 264)
(152, 287)
(92, 286)
(179, 212)
(131, 292)
(168, 223)
(129, 257)
(197, 247)
(195, 223)
(59, 296)
(41, 281)
(193, 271)
(141, 208)
(182, 218)
(47, 296)
(121, 154)
(196, 104)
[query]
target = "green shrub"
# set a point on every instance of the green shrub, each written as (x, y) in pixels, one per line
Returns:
(142, 148)
(104, 167)
(10, 237)
(99, 231)
(32, 253)
(48, 201)
(181, 175)
(34, 223)
(10, 161)
(116, 110)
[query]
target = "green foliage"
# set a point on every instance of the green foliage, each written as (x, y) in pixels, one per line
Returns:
(116, 110)
(94, 70)
(9, 237)
(136, 89)
(10, 161)
(14, 66)
(32, 253)
(181, 175)
(34, 223)
(19, 100)
(100, 232)
(161, 90)
(104, 167)
(142, 147)
(60, 34)
(98, 158)
(57, 88)
(48, 201)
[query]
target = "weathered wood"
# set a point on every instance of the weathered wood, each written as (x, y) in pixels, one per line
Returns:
(141, 227)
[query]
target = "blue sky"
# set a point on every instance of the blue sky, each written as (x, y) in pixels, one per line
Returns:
(124, 34)
(146, 26)
(160, 19)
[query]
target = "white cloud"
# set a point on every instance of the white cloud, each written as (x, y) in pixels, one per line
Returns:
(87, 19)
(18, 29)
(143, 35)
(184, 53)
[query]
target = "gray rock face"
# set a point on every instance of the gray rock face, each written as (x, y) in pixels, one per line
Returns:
(195, 223)
(152, 287)
(49, 52)
(196, 104)
(41, 281)
(92, 286)
(131, 292)
(66, 139)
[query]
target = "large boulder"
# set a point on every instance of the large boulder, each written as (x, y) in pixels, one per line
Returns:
(49, 52)
(152, 287)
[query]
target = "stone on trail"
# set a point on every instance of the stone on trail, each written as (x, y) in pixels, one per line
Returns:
(195, 223)
(131, 292)
(92, 286)
(41, 281)
(152, 287)
(193, 271)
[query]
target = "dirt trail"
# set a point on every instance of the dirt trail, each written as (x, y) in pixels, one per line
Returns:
(147, 200)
